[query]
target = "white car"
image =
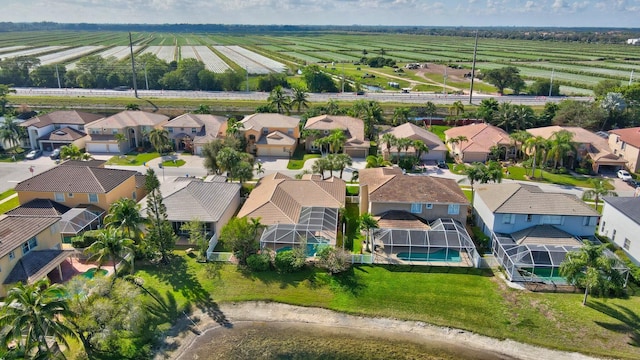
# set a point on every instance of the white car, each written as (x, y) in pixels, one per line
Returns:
(624, 175)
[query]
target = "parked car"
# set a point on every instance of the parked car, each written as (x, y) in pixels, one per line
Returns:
(633, 183)
(624, 175)
(33, 154)
(442, 165)
(55, 154)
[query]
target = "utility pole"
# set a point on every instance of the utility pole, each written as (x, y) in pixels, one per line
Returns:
(444, 85)
(146, 80)
(133, 67)
(343, 77)
(246, 69)
(473, 69)
(58, 77)
(631, 77)
(551, 82)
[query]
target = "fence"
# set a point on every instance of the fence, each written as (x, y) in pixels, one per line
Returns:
(352, 199)
(362, 259)
(220, 256)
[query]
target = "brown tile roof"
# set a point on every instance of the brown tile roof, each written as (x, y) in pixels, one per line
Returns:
(39, 207)
(390, 185)
(76, 179)
(90, 163)
(480, 137)
(277, 138)
(15, 230)
(64, 134)
(210, 127)
(33, 265)
(260, 121)
(130, 118)
(630, 136)
(516, 198)
(353, 127)
(414, 132)
(140, 180)
(278, 199)
(62, 117)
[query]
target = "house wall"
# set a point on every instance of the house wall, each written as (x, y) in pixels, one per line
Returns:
(629, 153)
(275, 150)
(617, 226)
(470, 157)
(231, 210)
(356, 152)
(47, 239)
(484, 216)
(35, 133)
(571, 224)
(438, 211)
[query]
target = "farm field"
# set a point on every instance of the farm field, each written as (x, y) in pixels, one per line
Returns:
(577, 67)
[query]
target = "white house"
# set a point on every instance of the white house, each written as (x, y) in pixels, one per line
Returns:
(58, 128)
(620, 222)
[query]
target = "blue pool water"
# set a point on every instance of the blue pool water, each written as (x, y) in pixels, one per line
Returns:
(312, 249)
(440, 255)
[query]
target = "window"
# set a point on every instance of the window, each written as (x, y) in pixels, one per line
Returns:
(114, 131)
(613, 237)
(12, 255)
(428, 206)
(194, 130)
(454, 209)
(181, 129)
(95, 131)
(624, 144)
(604, 223)
(627, 244)
(416, 208)
(589, 221)
(551, 219)
(508, 218)
(70, 195)
(29, 245)
(133, 195)
(59, 197)
(170, 130)
(529, 217)
(265, 131)
(81, 127)
(93, 198)
(290, 132)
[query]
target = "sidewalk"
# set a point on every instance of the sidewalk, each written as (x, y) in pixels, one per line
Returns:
(8, 198)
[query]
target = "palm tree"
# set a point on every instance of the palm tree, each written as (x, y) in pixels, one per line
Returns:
(404, 144)
(341, 161)
(279, 100)
(519, 138)
(336, 140)
(11, 132)
(536, 147)
(523, 117)
(456, 141)
(300, 98)
(374, 161)
(321, 142)
(430, 109)
(159, 139)
(592, 269)
(259, 168)
(4, 91)
(70, 152)
(233, 126)
(320, 165)
(491, 172)
(560, 145)
(389, 140)
(456, 108)
(474, 172)
(34, 315)
(599, 190)
(120, 138)
(110, 245)
(124, 214)
(368, 223)
(420, 148)
(203, 109)
(401, 115)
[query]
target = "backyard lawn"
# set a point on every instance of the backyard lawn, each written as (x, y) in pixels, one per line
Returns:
(132, 159)
(468, 299)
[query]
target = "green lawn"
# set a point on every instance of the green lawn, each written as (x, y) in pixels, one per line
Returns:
(8, 157)
(7, 193)
(519, 173)
(8, 205)
(439, 130)
(173, 163)
(468, 299)
(132, 160)
(297, 164)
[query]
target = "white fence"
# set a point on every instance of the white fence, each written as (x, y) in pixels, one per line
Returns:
(362, 259)
(220, 256)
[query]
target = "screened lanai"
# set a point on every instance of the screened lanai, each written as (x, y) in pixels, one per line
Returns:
(446, 243)
(76, 221)
(317, 226)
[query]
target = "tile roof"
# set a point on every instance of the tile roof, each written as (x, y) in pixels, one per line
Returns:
(414, 132)
(62, 117)
(354, 127)
(516, 198)
(259, 121)
(64, 134)
(90, 163)
(397, 219)
(206, 201)
(480, 137)
(278, 198)
(544, 235)
(129, 118)
(39, 207)
(27, 269)
(210, 127)
(390, 185)
(629, 206)
(76, 179)
(277, 138)
(15, 230)
(630, 136)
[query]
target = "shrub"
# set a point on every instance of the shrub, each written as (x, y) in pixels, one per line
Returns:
(259, 262)
(289, 261)
(334, 260)
(86, 239)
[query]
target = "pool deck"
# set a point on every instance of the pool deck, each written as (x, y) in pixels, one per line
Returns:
(73, 267)
(382, 257)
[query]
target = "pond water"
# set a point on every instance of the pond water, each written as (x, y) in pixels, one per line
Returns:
(295, 341)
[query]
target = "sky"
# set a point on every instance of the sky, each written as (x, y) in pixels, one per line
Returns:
(563, 13)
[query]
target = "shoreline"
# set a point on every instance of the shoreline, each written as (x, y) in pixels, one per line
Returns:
(181, 337)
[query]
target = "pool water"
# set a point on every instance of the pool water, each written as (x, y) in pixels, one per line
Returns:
(440, 255)
(312, 249)
(89, 274)
(548, 274)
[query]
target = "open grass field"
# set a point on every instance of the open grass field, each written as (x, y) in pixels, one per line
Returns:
(470, 299)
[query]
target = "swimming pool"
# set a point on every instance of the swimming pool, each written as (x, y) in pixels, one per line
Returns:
(89, 274)
(312, 249)
(439, 255)
(546, 274)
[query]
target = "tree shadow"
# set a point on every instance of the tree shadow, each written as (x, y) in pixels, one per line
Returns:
(347, 281)
(438, 270)
(629, 320)
(271, 277)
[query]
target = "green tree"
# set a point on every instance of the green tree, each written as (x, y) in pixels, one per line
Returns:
(132, 107)
(121, 139)
(430, 109)
(599, 190)
(242, 236)
(506, 77)
(341, 161)
(300, 98)
(71, 152)
(321, 165)
(160, 236)
(34, 318)
(45, 76)
(196, 231)
(473, 172)
(124, 214)
(614, 104)
(159, 139)
(112, 246)
(541, 87)
(403, 144)
(591, 269)
(202, 109)
(401, 115)
(488, 109)
(456, 108)
(317, 81)
(336, 140)
(420, 148)
(389, 140)
(371, 114)
(547, 115)
(11, 132)
(334, 260)
(603, 87)
(560, 145)
(579, 113)
(519, 138)
(279, 100)
(368, 223)
(536, 147)
(374, 161)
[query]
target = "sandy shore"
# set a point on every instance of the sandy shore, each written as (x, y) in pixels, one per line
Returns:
(182, 336)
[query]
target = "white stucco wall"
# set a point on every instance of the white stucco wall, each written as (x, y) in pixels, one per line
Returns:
(615, 221)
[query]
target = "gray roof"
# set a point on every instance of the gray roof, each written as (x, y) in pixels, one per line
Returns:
(544, 235)
(629, 206)
(39, 207)
(206, 201)
(15, 230)
(76, 179)
(516, 198)
(30, 264)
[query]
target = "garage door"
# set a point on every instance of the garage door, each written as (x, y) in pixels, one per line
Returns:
(97, 148)
(357, 153)
(273, 151)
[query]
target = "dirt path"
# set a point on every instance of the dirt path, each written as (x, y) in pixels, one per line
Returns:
(181, 336)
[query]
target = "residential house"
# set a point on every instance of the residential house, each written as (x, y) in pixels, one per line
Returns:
(625, 143)
(194, 131)
(271, 134)
(620, 222)
(356, 145)
(296, 211)
(589, 146)
(59, 128)
(429, 198)
(437, 149)
(480, 140)
(132, 125)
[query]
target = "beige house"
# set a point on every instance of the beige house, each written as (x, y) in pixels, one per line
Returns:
(480, 139)
(437, 149)
(356, 146)
(625, 143)
(588, 144)
(59, 128)
(133, 125)
(195, 130)
(384, 190)
(271, 134)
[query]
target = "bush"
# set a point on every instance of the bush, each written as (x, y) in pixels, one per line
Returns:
(289, 261)
(259, 262)
(86, 239)
(334, 260)
(407, 163)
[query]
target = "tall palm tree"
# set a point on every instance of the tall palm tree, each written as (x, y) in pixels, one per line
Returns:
(456, 108)
(519, 138)
(560, 145)
(420, 147)
(124, 214)
(599, 190)
(233, 126)
(523, 117)
(300, 98)
(473, 172)
(120, 138)
(367, 222)
(111, 245)
(401, 115)
(70, 152)
(341, 161)
(11, 132)
(404, 144)
(374, 161)
(321, 142)
(389, 140)
(536, 148)
(454, 141)
(159, 139)
(590, 268)
(336, 139)
(33, 315)
(430, 109)
(279, 100)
